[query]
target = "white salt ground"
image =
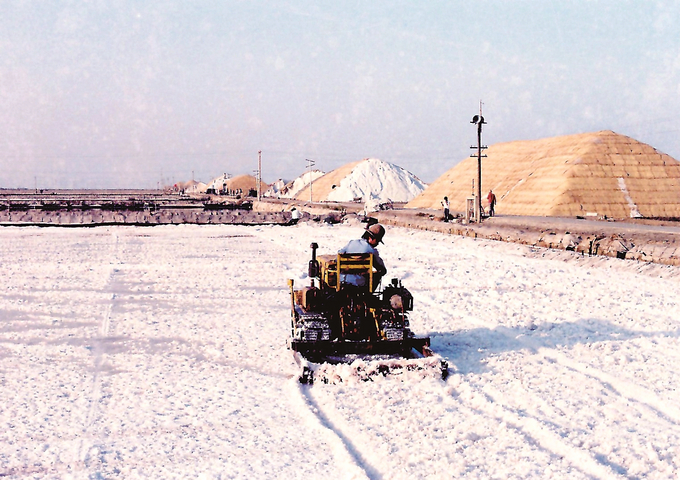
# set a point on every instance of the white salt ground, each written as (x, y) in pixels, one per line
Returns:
(159, 352)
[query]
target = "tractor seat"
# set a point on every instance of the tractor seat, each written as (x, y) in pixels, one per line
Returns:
(355, 269)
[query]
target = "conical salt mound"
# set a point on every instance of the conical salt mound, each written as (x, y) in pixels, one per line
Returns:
(319, 189)
(368, 179)
(243, 183)
(291, 189)
(601, 173)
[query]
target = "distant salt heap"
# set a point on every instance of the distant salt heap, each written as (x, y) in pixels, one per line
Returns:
(368, 180)
(240, 183)
(291, 189)
(275, 188)
(599, 173)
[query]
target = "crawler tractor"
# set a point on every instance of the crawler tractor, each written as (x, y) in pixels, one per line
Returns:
(333, 322)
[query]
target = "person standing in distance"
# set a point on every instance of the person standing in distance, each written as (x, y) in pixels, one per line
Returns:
(445, 204)
(491, 198)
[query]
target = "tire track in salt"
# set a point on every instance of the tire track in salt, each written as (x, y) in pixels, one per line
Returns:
(630, 391)
(538, 432)
(618, 385)
(99, 358)
(355, 465)
(532, 428)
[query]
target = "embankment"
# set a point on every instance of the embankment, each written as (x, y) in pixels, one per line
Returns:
(631, 241)
(647, 242)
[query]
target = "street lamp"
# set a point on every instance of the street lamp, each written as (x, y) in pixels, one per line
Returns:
(479, 121)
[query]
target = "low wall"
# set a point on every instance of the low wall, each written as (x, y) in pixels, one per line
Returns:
(127, 217)
(625, 241)
(613, 239)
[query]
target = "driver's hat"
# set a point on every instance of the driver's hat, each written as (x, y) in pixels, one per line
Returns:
(376, 231)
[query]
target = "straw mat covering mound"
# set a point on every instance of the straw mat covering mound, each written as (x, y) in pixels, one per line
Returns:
(322, 186)
(245, 183)
(601, 173)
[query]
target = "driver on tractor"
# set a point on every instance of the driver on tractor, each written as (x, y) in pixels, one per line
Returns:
(368, 243)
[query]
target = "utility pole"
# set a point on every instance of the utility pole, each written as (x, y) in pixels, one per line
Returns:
(310, 164)
(479, 121)
(259, 175)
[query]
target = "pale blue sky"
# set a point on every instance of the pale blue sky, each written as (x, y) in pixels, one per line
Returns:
(121, 94)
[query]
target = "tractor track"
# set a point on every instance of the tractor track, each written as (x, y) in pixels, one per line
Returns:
(625, 389)
(544, 432)
(99, 353)
(538, 432)
(345, 451)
